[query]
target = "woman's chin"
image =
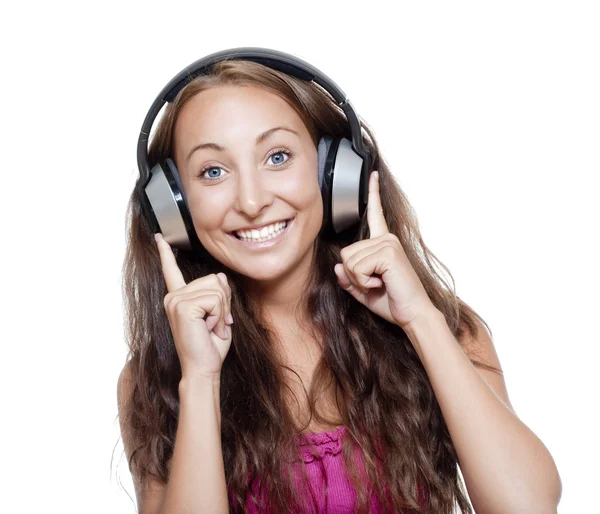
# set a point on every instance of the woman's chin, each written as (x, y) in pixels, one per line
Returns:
(264, 275)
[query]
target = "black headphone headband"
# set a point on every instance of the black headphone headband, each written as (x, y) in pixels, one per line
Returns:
(281, 61)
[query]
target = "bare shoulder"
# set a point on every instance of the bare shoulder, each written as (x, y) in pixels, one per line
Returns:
(150, 494)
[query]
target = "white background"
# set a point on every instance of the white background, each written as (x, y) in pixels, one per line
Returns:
(488, 114)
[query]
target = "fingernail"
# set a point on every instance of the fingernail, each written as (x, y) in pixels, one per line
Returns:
(229, 318)
(376, 173)
(157, 236)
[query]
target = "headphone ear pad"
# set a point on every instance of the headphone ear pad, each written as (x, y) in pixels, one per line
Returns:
(323, 150)
(175, 174)
(326, 150)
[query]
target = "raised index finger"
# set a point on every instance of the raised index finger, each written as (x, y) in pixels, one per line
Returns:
(375, 218)
(173, 277)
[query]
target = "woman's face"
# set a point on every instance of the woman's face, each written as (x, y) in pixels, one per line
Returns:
(241, 180)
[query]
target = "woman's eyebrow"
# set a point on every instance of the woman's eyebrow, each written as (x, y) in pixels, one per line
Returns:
(259, 139)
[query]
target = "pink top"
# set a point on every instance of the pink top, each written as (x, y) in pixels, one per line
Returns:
(342, 496)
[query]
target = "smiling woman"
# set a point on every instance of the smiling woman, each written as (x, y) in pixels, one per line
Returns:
(330, 398)
(234, 132)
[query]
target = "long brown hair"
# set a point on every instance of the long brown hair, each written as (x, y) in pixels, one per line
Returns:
(382, 389)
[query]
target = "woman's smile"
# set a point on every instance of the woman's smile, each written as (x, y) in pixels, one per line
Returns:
(271, 240)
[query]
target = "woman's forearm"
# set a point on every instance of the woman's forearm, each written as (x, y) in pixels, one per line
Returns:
(197, 476)
(505, 465)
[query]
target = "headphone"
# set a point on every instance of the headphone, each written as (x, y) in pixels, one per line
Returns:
(343, 165)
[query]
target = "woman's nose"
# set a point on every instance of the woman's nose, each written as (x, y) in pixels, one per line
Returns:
(252, 195)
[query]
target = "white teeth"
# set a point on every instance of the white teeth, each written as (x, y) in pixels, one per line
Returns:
(264, 233)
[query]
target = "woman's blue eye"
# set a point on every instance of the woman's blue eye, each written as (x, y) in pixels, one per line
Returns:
(211, 169)
(289, 154)
(203, 173)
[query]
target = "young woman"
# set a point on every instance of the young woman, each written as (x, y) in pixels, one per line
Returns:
(303, 373)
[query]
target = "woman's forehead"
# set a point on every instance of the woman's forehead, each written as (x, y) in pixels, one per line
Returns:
(232, 101)
(234, 114)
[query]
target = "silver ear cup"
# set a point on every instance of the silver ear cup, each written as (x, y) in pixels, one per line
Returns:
(165, 195)
(346, 187)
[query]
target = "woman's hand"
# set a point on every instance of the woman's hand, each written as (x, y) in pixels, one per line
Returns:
(197, 314)
(397, 294)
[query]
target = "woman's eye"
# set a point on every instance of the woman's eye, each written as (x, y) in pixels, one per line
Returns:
(205, 173)
(279, 162)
